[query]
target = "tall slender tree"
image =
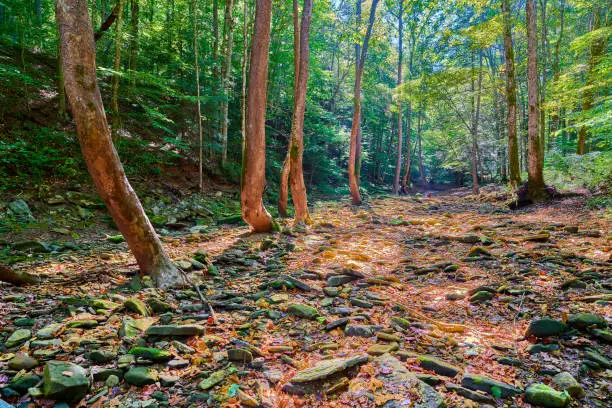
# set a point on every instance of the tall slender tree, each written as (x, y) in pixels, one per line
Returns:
(79, 62)
(356, 127)
(253, 180)
(400, 55)
(225, 76)
(198, 102)
(116, 68)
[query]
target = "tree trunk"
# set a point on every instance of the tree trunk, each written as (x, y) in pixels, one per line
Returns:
(535, 179)
(554, 126)
(474, 127)
(408, 159)
(17, 278)
(543, 32)
(199, 104)
(597, 50)
(133, 52)
(420, 151)
(283, 189)
(61, 87)
(254, 154)
(513, 145)
(78, 52)
(245, 63)
(116, 68)
(356, 127)
(296, 177)
(400, 52)
(225, 77)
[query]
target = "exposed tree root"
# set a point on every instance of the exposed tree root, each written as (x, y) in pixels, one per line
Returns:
(17, 277)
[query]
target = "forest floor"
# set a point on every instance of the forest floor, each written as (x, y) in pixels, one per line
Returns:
(407, 301)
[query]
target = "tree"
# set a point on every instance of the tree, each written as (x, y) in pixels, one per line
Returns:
(535, 181)
(475, 116)
(400, 50)
(254, 151)
(355, 128)
(116, 68)
(225, 76)
(78, 56)
(198, 103)
(513, 148)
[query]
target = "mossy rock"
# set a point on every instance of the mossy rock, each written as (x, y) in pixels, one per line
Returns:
(545, 327)
(543, 396)
(151, 353)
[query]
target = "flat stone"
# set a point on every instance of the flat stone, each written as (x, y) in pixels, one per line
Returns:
(49, 331)
(331, 291)
(380, 349)
(214, 379)
(326, 368)
(239, 355)
(176, 330)
(357, 330)
(65, 381)
(438, 366)
(337, 323)
(542, 348)
(177, 364)
(545, 327)
(297, 283)
(364, 304)
(469, 394)
(132, 328)
(23, 383)
(304, 311)
(18, 337)
(137, 306)
(583, 321)
(150, 353)
(82, 324)
(141, 376)
(339, 280)
(100, 356)
(482, 383)
(544, 396)
(22, 363)
(481, 296)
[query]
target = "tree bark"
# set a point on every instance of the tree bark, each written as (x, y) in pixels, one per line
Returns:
(199, 104)
(245, 63)
(283, 189)
(116, 67)
(597, 50)
(474, 127)
(225, 76)
(254, 154)
(408, 159)
(535, 181)
(400, 52)
(78, 52)
(554, 126)
(542, 109)
(355, 129)
(420, 150)
(513, 145)
(133, 50)
(296, 177)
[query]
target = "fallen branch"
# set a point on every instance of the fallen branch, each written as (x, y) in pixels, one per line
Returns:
(202, 298)
(17, 277)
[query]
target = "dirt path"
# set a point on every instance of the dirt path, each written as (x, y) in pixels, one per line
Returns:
(447, 285)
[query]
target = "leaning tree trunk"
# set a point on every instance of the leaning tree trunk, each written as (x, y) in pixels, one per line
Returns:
(355, 129)
(283, 189)
(225, 76)
(78, 53)
(116, 67)
(513, 146)
(254, 153)
(296, 153)
(400, 52)
(535, 181)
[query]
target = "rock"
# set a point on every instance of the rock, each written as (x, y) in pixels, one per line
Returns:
(23, 383)
(604, 335)
(358, 330)
(185, 265)
(102, 374)
(541, 348)
(22, 363)
(455, 296)
(326, 368)
(137, 306)
(177, 364)
(544, 396)
(304, 311)
(564, 381)
(339, 280)
(20, 209)
(151, 353)
(104, 304)
(481, 296)
(18, 337)
(49, 331)
(159, 306)
(214, 379)
(540, 237)
(469, 394)
(438, 366)
(33, 246)
(168, 380)
(297, 283)
(112, 381)
(175, 330)
(100, 356)
(141, 376)
(388, 337)
(401, 322)
(573, 283)
(482, 383)
(598, 358)
(239, 355)
(571, 229)
(545, 327)
(398, 381)
(380, 349)
(509, 361)
(337, 323)
(477, 251)
(583, 321)
(331, 291)
(65, 381)
(361, 303)
(132, 328)
(24, 322)
(82, 324)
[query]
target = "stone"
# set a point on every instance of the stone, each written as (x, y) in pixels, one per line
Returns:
(177, 364)
(452, 296)
(19, 208)
(469, 394)
(331, 291)
(380, 349)
(168, 380)
(604, 335)
(545, 327)
(24, 382)
(304, 311)
(82, 324)
(112, 381)
(326, 368)
(357, 330)
(486, 384)
(102, 374)
(544, 396)
(22, 363)
(141, 376)
(398, 381)
(477, 251)
(564, 381)
(18, 337)
(132, 328)
(361, 303)
(297, 283)
(100, 356)
(438, 366)
(337, 323)
(49, 331)
(65, 381)
(571, 229)
(24, 322)
(598, 358)
(388, 337)
(176, 330)
(481, 296)
(151, 353)
(104, 304)
(215, 378)
(115, 239)
(583, 321)
(542, 348)
(239, 355)
(32, 246)
(137, 306)
(339, 280)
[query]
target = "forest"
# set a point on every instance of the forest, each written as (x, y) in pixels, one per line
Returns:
(305, 203)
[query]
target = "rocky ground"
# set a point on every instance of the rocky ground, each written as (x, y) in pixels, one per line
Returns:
(412, 301)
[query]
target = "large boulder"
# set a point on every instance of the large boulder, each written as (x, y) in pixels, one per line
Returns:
(65, 381)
